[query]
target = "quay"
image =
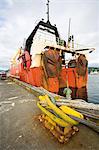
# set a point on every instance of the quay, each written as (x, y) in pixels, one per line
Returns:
(20, 128)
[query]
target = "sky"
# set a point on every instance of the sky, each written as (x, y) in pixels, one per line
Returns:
(19, 17)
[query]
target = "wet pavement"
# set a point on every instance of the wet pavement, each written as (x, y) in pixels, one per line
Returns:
(20, 128)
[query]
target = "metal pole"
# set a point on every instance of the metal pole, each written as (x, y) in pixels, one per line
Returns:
(47, 10)
(69, 28)
(69, 33)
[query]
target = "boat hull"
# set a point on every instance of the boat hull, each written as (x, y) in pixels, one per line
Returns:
(36, 77)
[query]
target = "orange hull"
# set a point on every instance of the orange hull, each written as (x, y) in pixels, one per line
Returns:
(34, 76)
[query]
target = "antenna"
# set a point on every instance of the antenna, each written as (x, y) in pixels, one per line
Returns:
(48, 11)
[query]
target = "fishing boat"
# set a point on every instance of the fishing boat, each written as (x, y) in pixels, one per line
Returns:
(42, 65)
(42, 61)
(94, 72)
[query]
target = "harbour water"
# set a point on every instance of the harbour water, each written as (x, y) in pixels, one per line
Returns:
(93, 88)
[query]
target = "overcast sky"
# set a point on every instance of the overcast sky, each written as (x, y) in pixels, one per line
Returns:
(18, 18)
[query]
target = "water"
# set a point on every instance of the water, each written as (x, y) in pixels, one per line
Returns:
(93, 88)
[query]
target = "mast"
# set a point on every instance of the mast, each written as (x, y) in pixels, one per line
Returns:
(69, 37)
(48, 11)
(69, 28)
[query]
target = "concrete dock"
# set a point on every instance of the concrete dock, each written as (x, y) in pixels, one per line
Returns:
(20, 128)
